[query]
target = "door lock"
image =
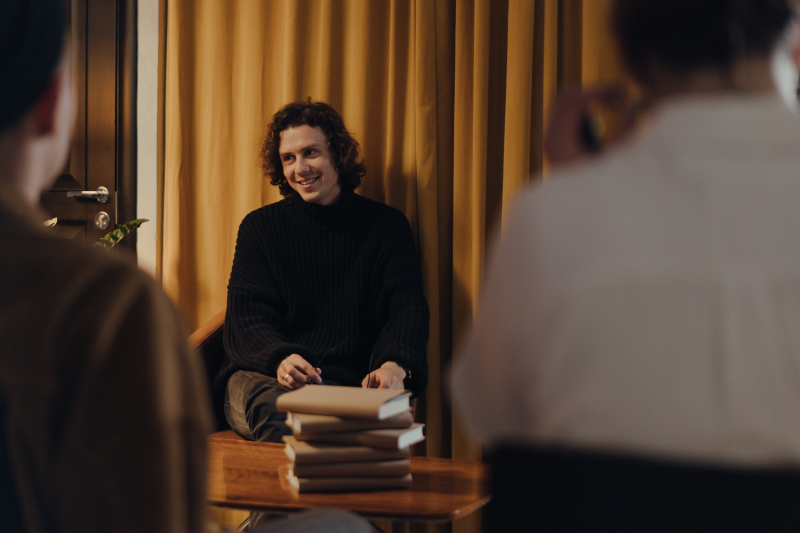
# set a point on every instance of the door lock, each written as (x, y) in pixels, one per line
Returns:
(102, 220)
(101, 195)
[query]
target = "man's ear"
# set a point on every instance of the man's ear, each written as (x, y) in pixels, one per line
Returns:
(46, 109)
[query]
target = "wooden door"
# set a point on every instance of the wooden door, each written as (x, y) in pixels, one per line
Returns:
(102, 147)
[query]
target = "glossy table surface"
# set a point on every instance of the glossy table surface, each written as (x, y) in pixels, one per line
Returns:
(251, 475)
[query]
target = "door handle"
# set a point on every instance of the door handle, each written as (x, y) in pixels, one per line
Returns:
(101, 195)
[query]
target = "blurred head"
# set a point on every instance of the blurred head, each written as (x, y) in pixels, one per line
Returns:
(36, 94)
(677, 40)
(340, 154)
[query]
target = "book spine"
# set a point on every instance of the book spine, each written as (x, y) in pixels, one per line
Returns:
(305, 425)
(364, 439)
(355, 483)
(350, 456)
(399, 467)
(332, 410)
(328, 427)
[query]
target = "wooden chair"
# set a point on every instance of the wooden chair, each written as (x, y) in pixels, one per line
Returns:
(208, 341)
(552, 489)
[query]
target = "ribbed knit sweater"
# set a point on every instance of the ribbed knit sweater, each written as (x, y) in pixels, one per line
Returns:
(308, 277)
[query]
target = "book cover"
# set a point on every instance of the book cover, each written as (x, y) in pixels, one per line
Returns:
(393, 438)
(398, 467)
(351, 402)
(304, 423)
(302, 452)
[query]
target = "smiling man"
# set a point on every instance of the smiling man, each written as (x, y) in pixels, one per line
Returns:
(324, 273)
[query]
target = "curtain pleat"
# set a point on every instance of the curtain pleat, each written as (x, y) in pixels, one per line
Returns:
(448, 99)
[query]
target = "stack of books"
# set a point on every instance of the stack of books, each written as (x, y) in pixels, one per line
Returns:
(349, 438)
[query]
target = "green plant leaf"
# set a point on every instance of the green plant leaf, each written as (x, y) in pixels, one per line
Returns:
(113, 237)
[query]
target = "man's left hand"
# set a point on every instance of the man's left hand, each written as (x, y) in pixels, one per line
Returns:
(389, 376)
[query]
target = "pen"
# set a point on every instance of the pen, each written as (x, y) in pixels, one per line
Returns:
(319, 362)
(369, 368)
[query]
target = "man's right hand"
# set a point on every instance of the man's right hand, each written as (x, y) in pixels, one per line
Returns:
(564, 142)
(294, 372)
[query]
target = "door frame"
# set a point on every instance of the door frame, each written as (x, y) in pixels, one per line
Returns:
(126, 135)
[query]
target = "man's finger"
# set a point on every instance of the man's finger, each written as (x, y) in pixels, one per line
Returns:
(309, 371)
(298, 377)
(283, 374)
(304, 368)
(294, 384)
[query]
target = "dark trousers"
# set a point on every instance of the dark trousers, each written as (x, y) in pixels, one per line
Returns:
(250, 410)
(250, 406)
(318, 521)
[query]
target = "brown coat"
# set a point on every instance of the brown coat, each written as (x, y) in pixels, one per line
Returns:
(105, 407)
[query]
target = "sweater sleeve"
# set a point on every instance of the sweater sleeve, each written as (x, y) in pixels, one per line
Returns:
(254, 334)
(401, 303)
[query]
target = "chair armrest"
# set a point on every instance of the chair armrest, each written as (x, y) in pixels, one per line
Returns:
(207, 330)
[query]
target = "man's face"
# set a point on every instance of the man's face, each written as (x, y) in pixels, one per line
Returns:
(308, 165)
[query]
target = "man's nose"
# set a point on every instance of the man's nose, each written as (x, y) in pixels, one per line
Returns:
(302, 164)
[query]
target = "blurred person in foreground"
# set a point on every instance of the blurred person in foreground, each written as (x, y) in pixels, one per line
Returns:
(646, 300)
(103, 410)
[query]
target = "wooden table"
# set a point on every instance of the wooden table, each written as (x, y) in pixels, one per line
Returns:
(251, 475)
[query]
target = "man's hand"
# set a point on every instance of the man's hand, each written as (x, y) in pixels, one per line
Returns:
(294, 372)
(389, 376)
(563, 141)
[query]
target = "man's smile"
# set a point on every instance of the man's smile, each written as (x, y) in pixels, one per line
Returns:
(307, 181)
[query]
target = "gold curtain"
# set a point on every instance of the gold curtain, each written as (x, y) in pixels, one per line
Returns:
(447, 97)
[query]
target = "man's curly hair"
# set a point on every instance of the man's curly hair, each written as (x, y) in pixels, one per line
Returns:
(345, 151)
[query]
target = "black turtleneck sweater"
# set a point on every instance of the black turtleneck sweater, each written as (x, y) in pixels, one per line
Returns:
(307, 277)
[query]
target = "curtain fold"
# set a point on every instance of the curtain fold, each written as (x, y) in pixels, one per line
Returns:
(448, 99)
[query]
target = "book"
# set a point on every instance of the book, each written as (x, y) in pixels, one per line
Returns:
(332, 484)
(351, 402)
(377, 438)
(303, 423)
(302, 452)
(398, 467)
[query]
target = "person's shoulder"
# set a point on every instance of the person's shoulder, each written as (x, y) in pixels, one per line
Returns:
(54, 278)
(115, 271)
(264, 216)
(594, 184)
(267, 212)
(380, 212)
(53, 254)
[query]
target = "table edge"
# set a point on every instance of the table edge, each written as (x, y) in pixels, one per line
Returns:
(245, 505)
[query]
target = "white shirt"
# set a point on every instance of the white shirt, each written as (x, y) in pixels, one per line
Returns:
(649, 301)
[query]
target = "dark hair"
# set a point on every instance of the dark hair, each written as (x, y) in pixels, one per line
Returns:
(32, 34)
(344, 148)
(685, 36)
